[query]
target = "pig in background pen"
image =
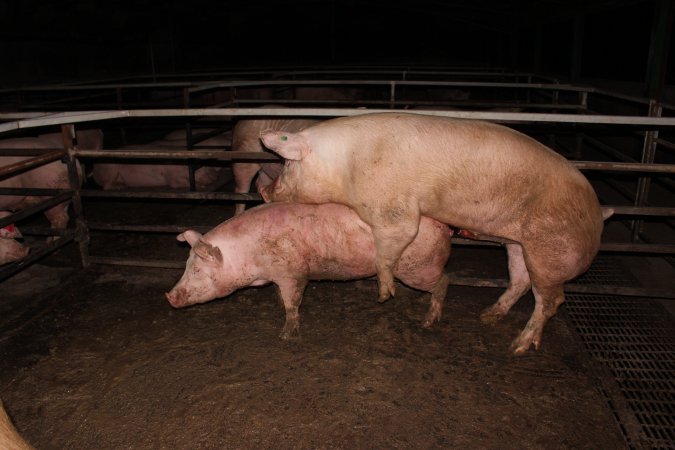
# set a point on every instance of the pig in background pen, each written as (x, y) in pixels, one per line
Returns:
(117, 176)
(10, 249)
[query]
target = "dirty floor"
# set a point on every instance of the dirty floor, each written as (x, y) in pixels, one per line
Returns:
(97, 359)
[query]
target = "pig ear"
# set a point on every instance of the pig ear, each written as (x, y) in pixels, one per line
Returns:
(207, 251)
(293, 146)
(189, 236)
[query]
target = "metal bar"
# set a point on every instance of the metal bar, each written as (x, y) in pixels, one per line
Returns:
(158, 263)
(612, 247)
(66, 195)
(643, 211)
(88, 116)
(624, 166)
(36, 254)
(98, 226)
(648, 155)
(31, 191)
(177, 154)
(27, 164)
(570, 288)
(81, 232)
(26, 151)
(171, 195)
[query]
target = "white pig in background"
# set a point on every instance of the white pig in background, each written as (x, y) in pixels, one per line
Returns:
(11, 250)
(289, 244)
(497, 183)
(49, 176)
(246, 138)
(10, 439)
(114, 176)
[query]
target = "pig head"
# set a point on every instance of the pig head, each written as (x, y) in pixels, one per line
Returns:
(202, 280)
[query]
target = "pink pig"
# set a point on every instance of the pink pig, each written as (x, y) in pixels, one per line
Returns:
(53, 175)
(116, 176)
(246, 138)
(289, 244)
(497, 183)
(10, 250)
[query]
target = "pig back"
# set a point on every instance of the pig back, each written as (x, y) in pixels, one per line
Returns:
(471, 174)
(326, 241)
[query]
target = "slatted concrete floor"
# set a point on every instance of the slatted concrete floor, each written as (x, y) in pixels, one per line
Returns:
(633, 342)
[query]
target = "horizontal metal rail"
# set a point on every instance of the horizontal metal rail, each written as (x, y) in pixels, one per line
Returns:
(27, 164)
(170, 195)
(26, 212)
(36, 254)
(571, 287)
(88, 116)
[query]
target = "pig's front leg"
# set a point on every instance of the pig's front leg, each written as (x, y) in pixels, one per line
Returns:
(290, 291)
(391, 240)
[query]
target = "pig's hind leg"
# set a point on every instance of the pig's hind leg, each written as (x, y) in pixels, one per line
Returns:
(547, 300)
(437, 298)
(290, 292)
(519, 284)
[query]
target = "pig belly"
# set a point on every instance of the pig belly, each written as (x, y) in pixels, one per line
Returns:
(343, 248)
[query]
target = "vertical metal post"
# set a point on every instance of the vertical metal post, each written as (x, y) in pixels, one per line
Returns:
(392, 94)
(120, 106)
(648, 155)
(578, 136)
(188, 140)
(81, 230)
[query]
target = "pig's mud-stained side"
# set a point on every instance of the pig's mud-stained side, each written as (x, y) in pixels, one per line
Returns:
(99, 359)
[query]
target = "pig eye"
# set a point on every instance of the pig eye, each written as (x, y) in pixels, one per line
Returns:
(283, 138)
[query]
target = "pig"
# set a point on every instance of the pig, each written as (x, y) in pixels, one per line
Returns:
(488, 179)
(114, 176)
(53, 175)
(10, 439)
(10, 249)
(288, 244)
(245, 138)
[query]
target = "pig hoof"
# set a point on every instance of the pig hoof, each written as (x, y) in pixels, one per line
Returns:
(290, 335)
(490, 316)
(521, 346)
(430, 320)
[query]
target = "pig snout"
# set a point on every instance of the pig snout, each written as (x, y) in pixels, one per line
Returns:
(176, 298)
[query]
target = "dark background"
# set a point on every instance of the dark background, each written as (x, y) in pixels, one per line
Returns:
(57, 41)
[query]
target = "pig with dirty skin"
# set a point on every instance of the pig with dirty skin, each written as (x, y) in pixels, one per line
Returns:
(497, 183)
(290, 244)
